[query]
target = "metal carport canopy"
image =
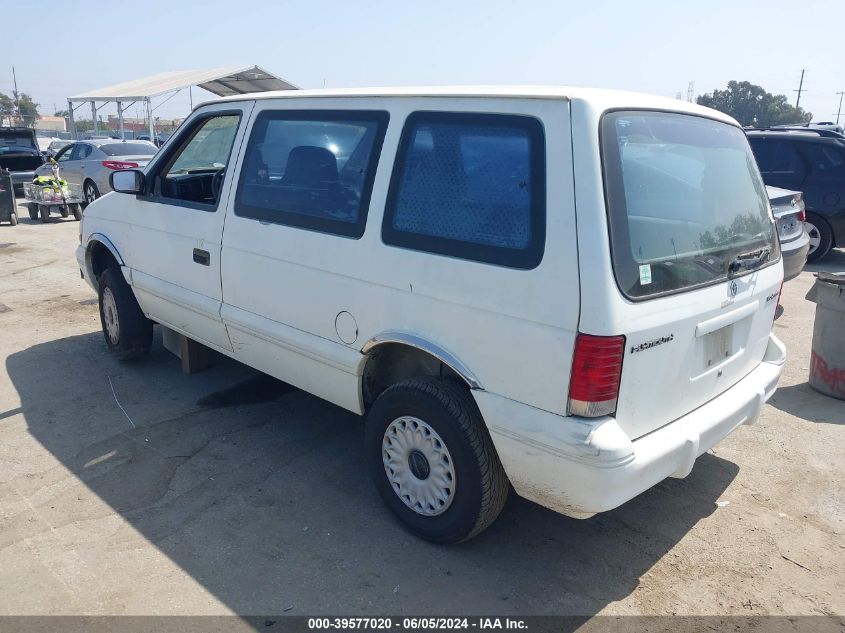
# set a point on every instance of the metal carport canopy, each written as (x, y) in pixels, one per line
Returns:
(223, 82)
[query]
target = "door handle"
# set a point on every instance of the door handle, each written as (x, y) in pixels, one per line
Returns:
(202, 257)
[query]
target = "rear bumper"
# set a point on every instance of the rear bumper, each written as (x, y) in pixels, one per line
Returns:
(579, 466)
(794, 254)
(19, 178)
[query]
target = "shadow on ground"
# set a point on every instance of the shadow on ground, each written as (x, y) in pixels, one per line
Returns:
(259, 492)
(804, 402)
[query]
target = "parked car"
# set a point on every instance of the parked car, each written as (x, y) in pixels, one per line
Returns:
(20, 155)
(507, 299)
(788, 209)
(159, 140)
(88, 164)
(813, 162)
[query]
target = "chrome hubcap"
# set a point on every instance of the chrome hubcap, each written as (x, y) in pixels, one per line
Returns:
(418, 466)
(814, 235)
(110, 316)
(90, 196)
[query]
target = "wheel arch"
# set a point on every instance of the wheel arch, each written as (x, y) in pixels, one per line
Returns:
(394, 356)
(99, 253)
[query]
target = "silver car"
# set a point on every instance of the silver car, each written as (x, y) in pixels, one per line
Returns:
(89, 163)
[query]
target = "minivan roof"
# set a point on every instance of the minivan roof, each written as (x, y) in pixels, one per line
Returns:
(598, 98)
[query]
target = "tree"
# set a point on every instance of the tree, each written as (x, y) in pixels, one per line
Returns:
(63, 113)
(7, 106)
(752, 105)
(28, 108)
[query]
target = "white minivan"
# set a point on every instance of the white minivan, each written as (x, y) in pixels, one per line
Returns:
(566, 291)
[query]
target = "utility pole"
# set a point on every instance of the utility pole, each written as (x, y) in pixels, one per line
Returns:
(839, 111)
(800, 89)
(15, 94)
(691, 91)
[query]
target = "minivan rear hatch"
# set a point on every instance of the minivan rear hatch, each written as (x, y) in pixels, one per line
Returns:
(695, 258)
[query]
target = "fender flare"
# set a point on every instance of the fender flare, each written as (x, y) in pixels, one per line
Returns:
(412, 340)
(99, 237)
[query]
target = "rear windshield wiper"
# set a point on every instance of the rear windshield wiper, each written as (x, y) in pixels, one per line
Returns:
(749, 260)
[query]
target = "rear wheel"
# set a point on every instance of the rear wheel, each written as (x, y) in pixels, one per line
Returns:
(90, 192)
(13, 219)
(821, 237)
(433, 461)
(128, 333)
(45, 212)
(32, 209)
(63, 211)
(76, 209)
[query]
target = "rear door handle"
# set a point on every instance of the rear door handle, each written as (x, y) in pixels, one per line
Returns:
(202, 257)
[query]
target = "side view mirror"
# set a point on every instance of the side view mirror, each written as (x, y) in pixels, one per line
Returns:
(127, 181)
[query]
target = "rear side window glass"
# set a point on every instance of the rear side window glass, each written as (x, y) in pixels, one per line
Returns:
(128, 149)
(311, 169)
(775, 156)
(823, 159)
(469, 186)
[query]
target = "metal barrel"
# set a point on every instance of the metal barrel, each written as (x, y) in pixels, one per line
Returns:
(827, 359)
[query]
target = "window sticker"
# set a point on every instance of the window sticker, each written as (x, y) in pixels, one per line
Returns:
(645, 274)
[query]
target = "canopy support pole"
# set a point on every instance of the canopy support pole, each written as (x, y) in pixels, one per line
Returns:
(72, 121)
(150, 120)
(94, 116)
(120, 120)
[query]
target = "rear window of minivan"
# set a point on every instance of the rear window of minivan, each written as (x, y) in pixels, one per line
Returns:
(684, 199)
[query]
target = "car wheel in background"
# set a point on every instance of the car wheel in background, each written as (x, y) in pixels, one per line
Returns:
(432, 459)
(128, 333)
(90, 192)
(821, 237)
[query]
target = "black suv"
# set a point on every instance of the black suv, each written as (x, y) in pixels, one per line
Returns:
(812, 161)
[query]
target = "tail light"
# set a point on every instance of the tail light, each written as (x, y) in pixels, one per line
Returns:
(117, 164)
(802, 215)
(596, 370)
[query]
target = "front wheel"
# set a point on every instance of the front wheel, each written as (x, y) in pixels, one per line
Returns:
(13, 219)
(821, 237)
(432, 459)
(76, 209)
(128, 333)
(32, 209)
(45, 212)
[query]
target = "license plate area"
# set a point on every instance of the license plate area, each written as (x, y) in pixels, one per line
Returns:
(717, 347)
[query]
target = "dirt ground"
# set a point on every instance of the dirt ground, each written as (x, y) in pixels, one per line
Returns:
(224, 492)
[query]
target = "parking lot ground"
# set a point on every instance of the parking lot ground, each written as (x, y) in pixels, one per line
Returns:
(136, 489)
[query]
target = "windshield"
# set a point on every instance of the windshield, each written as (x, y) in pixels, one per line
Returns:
(129, 149)
(686, 204)
(15, 144)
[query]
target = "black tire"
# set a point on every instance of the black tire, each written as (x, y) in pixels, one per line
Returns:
(13, 219)
(134, 333)
(481, 483)
(76, 209)
(63, 211)
(90, 192)
(32, 209)
(819, 229)
(44, 209)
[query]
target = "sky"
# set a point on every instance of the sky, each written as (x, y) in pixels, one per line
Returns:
(652, 46)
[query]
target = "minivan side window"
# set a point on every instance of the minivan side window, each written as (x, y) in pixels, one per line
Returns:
(194, 172)
(470, 186)
(311, 169)
(775, 157)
